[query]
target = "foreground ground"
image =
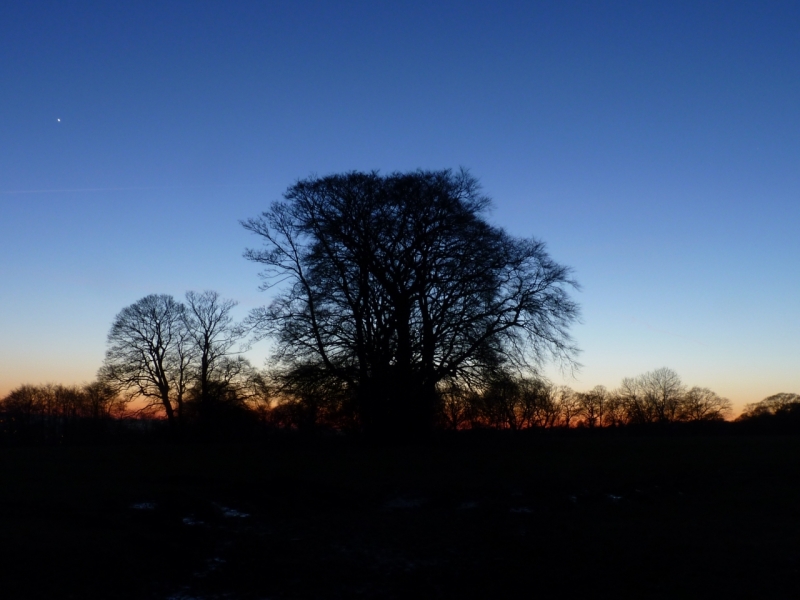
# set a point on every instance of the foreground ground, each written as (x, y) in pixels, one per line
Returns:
(663, 517)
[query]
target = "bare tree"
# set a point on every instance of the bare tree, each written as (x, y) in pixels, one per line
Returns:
(214, 336)
(593, 406)
(631, 397)
(654, 397)
(150, 353)
(532, 391)
(776, 404)
(545, 399)
(102, 401)
(614, 411)
(395, 285)
(499, 402)
(54, 413)
(309, 397)
(569, 408)
(663, 391)
(701, 404)
(28, 410)
(457, 406)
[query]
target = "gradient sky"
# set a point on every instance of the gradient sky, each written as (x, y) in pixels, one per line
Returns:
(655, 147)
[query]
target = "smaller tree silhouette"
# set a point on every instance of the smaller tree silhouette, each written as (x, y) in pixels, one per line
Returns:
(702, 404)
(593, 406)
(150, 352)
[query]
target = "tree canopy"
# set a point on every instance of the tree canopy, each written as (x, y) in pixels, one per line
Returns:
(149, 352)
(178, 356)
(396, 285)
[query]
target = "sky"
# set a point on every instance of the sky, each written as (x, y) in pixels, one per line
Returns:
(654, 147)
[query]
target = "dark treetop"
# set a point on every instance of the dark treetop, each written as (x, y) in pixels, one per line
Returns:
(396, 285)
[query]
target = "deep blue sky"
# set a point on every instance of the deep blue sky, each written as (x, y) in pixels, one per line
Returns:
(655, 147)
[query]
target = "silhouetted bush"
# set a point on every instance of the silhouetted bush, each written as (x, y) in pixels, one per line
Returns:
(779, 413)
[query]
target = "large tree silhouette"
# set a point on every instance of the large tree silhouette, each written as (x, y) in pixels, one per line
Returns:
(394, 285)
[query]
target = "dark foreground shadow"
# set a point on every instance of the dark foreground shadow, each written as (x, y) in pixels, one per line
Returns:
(487, 516)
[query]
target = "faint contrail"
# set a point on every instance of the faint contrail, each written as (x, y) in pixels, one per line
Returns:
(678, 335)
(123, 189)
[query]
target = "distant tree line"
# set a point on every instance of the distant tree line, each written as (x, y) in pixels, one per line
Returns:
(264, 401)
(776, 413)
(508, 402)
(53, 414)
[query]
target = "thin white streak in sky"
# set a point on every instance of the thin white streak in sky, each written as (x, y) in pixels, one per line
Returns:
(125, 189)
(656, 329)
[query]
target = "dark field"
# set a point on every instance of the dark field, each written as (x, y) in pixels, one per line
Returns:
(660, 517)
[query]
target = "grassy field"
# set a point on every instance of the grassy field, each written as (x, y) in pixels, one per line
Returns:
(659, 517)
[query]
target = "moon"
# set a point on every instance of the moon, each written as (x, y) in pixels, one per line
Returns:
(59, 120)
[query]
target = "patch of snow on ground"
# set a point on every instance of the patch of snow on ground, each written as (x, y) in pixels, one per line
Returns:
(404, 502)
